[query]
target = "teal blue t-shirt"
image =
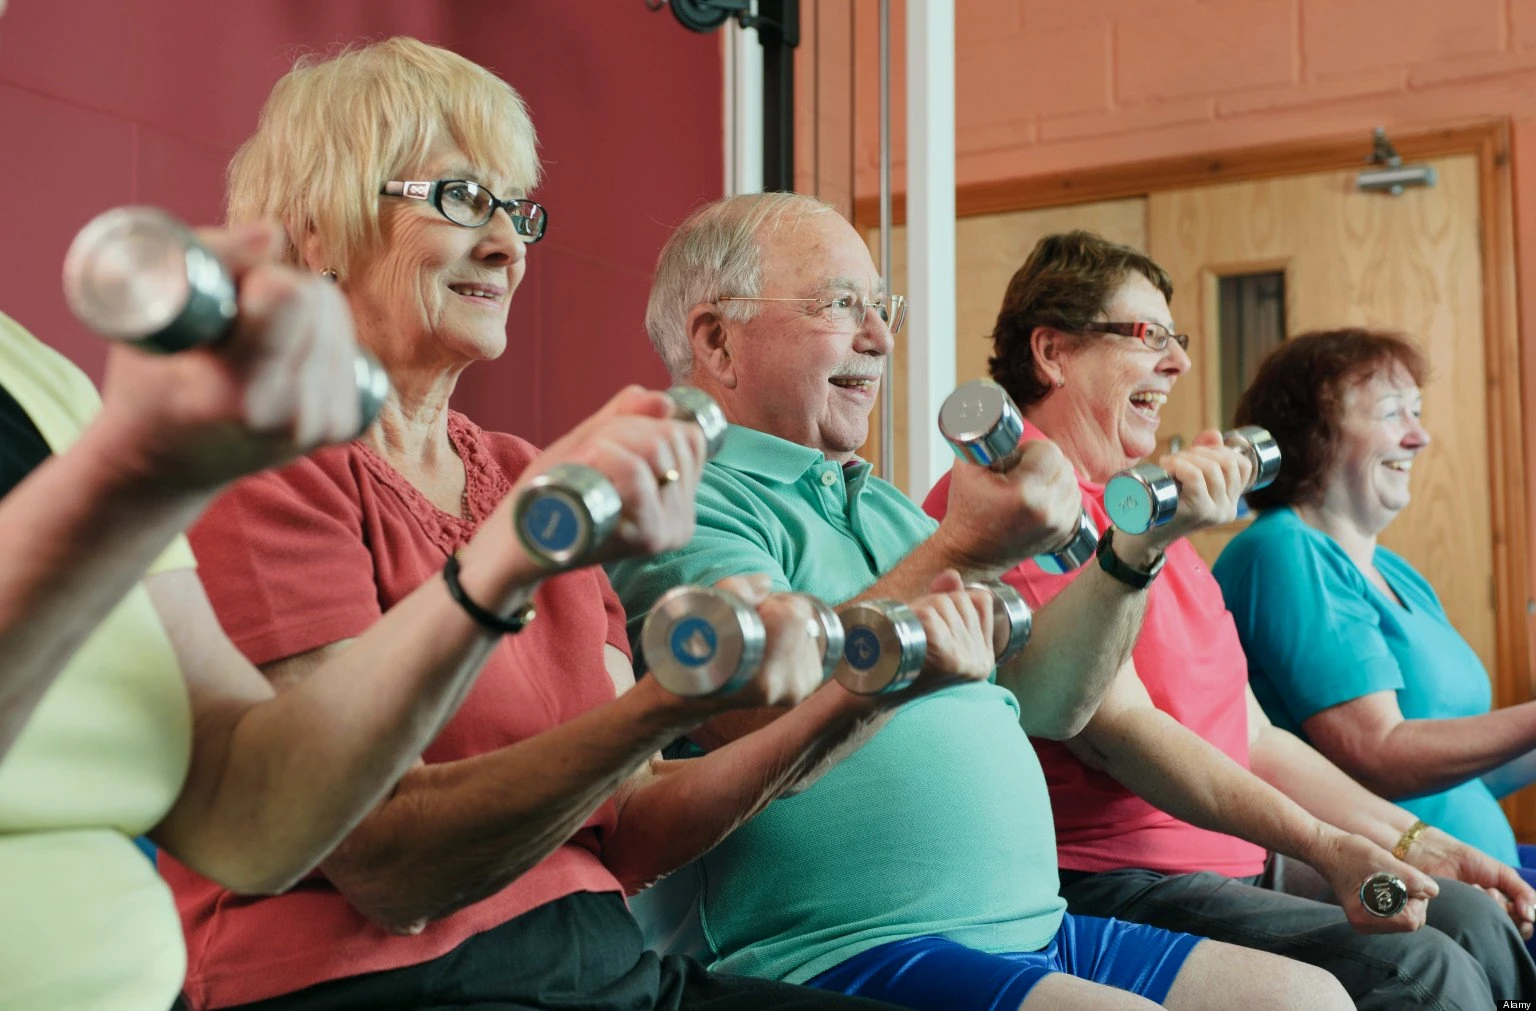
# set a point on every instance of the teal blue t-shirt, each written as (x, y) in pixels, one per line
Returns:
(1318, 633)
(941, 824)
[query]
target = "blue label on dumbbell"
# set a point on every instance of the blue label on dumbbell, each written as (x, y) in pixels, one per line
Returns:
(551, 523)
(693, 642)
(861, 648)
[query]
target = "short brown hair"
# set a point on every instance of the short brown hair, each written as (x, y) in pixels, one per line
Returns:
(1298, 395)
(1063, 285)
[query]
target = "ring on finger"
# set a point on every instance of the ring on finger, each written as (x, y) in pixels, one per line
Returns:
(668, 476)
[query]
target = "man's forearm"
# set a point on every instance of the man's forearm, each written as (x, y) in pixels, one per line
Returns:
(457, 832)
(675, 812)
(1154, 756)
(76, 536)
(1296, 769)
(1080, 640)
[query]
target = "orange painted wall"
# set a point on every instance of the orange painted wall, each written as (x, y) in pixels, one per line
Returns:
(1045, 86)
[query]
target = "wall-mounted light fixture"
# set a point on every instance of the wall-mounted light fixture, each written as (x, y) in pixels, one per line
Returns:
(1390, 175)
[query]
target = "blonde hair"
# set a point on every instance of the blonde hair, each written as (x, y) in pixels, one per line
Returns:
(717, 250)
(335, 129)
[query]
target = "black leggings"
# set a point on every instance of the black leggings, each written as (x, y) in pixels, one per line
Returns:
(582, 951)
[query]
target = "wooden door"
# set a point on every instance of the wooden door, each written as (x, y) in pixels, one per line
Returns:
(1411, 263)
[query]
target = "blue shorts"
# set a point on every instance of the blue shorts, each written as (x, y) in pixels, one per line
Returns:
(933, 974)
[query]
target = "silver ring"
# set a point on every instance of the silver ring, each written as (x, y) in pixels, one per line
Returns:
(668, 476)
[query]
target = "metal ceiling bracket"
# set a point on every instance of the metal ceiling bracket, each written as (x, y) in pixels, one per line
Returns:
(1391, 176)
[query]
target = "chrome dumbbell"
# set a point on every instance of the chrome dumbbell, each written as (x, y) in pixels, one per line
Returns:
(569, 511)
(983, 425)
(1383, 894)
(702, 640)
(885, 646)
(1146, 496)
(137, 274)
(1012, 620)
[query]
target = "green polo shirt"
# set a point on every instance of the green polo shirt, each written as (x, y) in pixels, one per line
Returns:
(941, 824)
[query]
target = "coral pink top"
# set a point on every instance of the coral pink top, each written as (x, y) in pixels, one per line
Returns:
(315, 553)
(1192, 664)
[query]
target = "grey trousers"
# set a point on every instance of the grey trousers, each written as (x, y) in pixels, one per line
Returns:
(1467, 957)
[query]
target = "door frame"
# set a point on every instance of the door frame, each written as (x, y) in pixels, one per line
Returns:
(1489, 141)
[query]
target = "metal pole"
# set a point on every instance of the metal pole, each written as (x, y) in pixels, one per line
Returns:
(779, 29)
(887, 408)
(930, 344)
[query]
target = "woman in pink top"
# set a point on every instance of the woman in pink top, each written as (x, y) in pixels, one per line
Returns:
(1179, 805)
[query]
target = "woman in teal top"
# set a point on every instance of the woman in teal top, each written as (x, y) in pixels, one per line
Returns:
(1348, 646)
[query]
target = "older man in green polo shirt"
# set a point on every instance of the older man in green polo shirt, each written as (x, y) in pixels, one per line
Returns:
(922, 867)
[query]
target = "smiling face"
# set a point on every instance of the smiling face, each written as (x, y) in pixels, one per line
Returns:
(799, 373)
(435, 290)
(1113, 387)
(1379, 436)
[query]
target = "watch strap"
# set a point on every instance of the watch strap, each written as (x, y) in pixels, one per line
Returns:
(1112, 564)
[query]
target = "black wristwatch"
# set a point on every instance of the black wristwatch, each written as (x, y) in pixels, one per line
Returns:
(1111, 563)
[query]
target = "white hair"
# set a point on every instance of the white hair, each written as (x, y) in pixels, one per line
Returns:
(716, 251)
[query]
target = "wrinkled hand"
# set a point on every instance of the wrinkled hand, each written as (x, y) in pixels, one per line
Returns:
(1211, 480)
(958, 624)
(1436, 853)
(998, 518)
(633, 441)
(279, 385)
(1347, 860)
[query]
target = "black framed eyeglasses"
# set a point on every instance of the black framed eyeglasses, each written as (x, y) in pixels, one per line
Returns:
(1154, 335)
(469, 204)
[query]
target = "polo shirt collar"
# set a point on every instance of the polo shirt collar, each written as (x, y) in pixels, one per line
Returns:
(768, 456)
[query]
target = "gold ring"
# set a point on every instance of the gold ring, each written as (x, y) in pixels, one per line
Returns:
(668, 477)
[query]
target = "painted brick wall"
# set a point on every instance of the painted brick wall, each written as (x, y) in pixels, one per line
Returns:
(105, 102)
(1046, 86)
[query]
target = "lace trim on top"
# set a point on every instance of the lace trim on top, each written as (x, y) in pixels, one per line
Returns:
(485, 485)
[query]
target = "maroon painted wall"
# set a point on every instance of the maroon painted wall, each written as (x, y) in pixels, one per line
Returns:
(106, 102)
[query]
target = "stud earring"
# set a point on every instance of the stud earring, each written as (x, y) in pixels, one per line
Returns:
(329, 273)
(1060, 383)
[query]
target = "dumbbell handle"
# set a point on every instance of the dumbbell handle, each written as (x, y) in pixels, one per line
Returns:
(567, 513)
(704, 640)
(1146, 496)
(983, 425)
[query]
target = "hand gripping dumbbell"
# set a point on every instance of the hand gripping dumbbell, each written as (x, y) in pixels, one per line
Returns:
(1146, 496)
(702, 640)
(136, 274)
(884, 645)
(569, 511)
(1012, 620)
(982, 425)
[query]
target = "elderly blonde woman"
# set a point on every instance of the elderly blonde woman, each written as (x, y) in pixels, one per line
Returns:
(123, 706)
(493, 875)
(1179, 804)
